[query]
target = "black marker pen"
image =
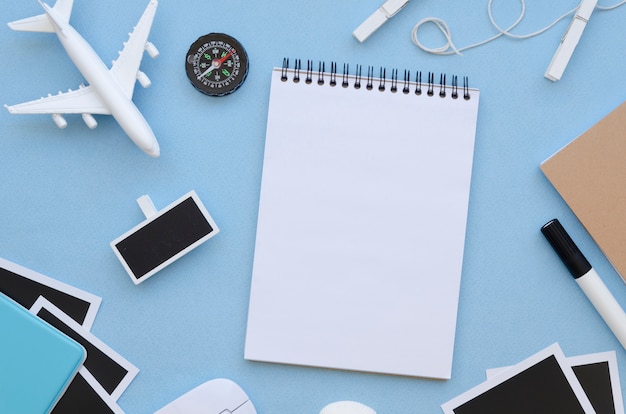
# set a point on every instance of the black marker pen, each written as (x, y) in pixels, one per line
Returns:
(587, 278)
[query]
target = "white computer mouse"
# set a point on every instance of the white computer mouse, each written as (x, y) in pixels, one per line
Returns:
(218, 396)
(347, 407)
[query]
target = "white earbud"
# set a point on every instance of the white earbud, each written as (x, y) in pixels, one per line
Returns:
(347, 407)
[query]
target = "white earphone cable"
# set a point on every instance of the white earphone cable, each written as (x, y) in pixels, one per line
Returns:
(450, 48)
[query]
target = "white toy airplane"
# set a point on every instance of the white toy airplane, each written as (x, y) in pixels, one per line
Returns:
(110, 91)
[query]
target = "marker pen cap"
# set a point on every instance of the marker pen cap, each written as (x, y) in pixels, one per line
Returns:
(565, 247)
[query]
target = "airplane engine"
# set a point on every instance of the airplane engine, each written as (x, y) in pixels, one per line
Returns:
(90, 121)
(152, 50)
(59, 120)
(143, 79)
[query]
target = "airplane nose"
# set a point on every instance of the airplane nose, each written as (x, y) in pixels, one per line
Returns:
(155, 151)
(144, 138)
(138, 130)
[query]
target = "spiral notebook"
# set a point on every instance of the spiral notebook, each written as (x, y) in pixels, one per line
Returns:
(362, 218)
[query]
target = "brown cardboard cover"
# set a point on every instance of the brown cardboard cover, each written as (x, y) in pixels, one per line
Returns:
(590, 175)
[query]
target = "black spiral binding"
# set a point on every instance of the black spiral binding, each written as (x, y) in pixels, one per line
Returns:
(407, 85)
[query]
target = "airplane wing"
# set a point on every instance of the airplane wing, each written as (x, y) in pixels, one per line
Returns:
(80, 101)
(39, 23)
(126, 66)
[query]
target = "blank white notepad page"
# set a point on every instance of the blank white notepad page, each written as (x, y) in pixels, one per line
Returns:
(361, 228)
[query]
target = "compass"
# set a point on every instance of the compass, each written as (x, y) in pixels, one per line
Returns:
(217, 64)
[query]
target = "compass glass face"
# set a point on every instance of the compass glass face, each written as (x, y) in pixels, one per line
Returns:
(217, 64)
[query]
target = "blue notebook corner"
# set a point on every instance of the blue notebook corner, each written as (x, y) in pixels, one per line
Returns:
(37, 362)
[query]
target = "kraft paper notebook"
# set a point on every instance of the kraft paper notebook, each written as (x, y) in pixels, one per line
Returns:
(37, 362)
(590, 174)
(362, 218)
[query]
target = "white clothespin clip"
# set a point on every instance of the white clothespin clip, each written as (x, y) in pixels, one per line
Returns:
(570, 40)
(380, 16)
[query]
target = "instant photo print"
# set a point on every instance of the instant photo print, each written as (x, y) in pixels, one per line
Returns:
(541, 384)
(598, 375)
(112, 371)
(86, 395)
(25, 286)
(164, 237)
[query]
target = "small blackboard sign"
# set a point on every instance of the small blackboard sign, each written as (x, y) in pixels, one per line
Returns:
(164, 237)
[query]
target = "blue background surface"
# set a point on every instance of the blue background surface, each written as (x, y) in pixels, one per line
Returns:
(67, 193)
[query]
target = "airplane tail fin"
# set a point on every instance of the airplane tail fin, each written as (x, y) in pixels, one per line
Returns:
(42, 23)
